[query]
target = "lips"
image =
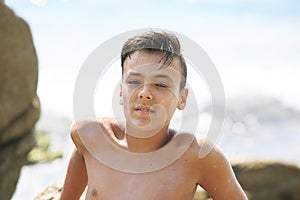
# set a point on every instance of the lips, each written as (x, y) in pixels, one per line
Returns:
(143, 110)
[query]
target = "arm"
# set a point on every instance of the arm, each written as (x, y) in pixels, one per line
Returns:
(217, 177)
(76, 177)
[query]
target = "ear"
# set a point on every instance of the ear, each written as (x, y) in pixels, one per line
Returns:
(182, 99)
(121, 95)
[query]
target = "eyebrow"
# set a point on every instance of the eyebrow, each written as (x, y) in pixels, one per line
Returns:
(156, 76)
(134, 74)
(163, 76)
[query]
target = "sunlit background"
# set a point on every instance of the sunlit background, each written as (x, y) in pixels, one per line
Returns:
(254, 44)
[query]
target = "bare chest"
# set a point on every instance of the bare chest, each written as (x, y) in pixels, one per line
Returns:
(175, 181)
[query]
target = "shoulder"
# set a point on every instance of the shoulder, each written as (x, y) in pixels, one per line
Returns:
(88, 127)
(199, 146)
(206, 155)
(85, 131)
(208, 152)
(82, 128)
(196, 147)
(205, 147)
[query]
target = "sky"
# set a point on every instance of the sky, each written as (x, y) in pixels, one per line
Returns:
(254, 44)
(247, 29)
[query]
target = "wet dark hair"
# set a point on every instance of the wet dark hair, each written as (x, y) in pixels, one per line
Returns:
(166, 43)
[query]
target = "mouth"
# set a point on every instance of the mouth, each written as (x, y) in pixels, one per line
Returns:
(144, 110)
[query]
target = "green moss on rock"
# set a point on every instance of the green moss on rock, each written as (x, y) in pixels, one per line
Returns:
(41, 152)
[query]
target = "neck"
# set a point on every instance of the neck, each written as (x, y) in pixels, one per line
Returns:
(154, 141)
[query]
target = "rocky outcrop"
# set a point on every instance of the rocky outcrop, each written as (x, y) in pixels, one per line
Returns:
(52, 192)
(260, 180)
(276, 181)
(19, 104)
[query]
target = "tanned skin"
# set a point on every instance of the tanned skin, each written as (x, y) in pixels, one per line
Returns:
(177, 180)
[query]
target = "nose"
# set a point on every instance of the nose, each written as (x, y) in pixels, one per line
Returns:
(145, 93)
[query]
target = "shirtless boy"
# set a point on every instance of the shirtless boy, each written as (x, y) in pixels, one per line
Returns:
(142, 158)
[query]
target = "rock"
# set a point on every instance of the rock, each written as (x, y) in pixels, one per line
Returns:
(260, 180)
(18, 71)
(269, 180)
(12, 159)
(22, 123)
(19, 107)
(53, 192)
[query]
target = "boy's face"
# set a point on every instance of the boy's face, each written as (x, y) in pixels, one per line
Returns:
(151, 91)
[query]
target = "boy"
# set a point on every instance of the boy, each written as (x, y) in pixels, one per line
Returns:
(142, 158)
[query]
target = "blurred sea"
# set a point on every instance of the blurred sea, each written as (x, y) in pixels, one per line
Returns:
(262, 119)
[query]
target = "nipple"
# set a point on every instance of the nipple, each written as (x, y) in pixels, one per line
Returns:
(94, 193)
